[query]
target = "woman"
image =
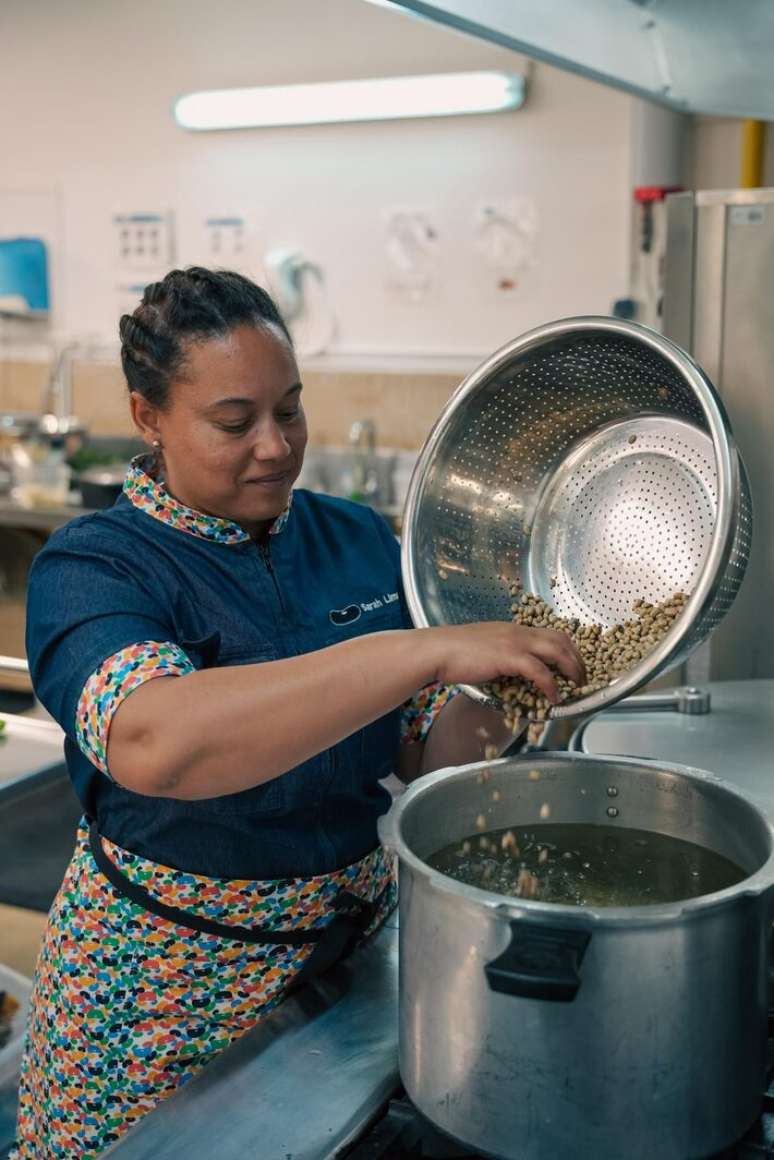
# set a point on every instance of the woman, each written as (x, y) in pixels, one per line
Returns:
(229, 844)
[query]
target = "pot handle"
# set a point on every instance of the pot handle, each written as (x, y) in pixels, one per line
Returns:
(385, 828)
(539, 963)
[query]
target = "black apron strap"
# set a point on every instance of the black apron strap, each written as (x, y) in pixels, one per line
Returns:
(339, 937)
(334, 941)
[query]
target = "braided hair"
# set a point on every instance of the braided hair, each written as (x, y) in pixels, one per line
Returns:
(187, 304)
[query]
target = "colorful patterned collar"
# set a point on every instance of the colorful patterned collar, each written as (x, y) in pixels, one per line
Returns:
(151, 497)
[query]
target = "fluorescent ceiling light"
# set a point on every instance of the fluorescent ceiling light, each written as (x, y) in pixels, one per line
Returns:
(395, 7)
(382, 99)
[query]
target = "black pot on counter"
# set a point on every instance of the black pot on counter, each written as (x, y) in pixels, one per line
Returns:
(100, 487)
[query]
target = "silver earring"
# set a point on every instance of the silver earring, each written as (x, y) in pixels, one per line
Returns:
(156, 444)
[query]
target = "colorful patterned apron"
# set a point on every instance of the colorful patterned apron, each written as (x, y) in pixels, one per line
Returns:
(146, 973)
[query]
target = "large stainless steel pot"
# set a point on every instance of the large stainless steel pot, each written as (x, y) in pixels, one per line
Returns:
(529, 1030)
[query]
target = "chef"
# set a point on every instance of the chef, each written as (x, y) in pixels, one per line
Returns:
(235, 671)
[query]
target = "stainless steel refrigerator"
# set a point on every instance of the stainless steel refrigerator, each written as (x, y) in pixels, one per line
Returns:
(719, 305)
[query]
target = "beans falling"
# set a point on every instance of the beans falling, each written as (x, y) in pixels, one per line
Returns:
(606, 653)
(526, 884)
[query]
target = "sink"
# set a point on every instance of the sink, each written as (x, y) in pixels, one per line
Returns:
(334, 470)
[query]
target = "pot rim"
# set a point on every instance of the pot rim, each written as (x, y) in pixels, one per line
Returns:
(755, 885)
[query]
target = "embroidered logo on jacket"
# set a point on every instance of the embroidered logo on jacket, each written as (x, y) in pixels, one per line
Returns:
(352, 612)
(348, 615)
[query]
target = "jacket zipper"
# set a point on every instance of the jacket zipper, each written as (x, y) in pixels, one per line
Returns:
(266, 557)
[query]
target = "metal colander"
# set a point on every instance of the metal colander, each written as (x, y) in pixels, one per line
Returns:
(594, 453)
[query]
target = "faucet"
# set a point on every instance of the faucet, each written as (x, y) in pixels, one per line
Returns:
(57, 419)
(365, 480)
(57, 401)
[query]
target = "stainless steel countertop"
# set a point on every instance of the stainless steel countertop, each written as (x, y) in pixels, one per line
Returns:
(28, 748)
(14, 515)
(735, 740)
(302, 1085)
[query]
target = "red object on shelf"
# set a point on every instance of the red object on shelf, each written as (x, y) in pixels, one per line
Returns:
(646, 194)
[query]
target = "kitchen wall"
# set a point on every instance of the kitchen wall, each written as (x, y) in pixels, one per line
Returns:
(86, 90)
(716, 153)
(403, 403)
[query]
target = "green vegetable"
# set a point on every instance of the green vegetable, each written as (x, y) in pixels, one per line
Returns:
(88, 456)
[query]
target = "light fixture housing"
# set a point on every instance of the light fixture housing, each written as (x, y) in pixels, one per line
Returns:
(336, 102)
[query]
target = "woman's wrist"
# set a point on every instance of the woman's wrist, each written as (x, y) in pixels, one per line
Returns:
(428, 645)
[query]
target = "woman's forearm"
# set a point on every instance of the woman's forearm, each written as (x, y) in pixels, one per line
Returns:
(223, 730)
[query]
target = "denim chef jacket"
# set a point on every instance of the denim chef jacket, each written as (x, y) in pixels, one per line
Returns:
(109, 580)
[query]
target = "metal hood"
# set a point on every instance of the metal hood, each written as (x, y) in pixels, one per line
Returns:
(696, 56)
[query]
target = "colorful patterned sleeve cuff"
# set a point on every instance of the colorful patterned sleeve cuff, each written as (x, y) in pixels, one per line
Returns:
(420, 712)
(113, 681)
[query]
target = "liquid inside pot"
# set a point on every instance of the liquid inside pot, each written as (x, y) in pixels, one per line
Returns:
(586, 865)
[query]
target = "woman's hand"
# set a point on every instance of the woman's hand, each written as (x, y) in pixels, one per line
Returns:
(470, 654)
